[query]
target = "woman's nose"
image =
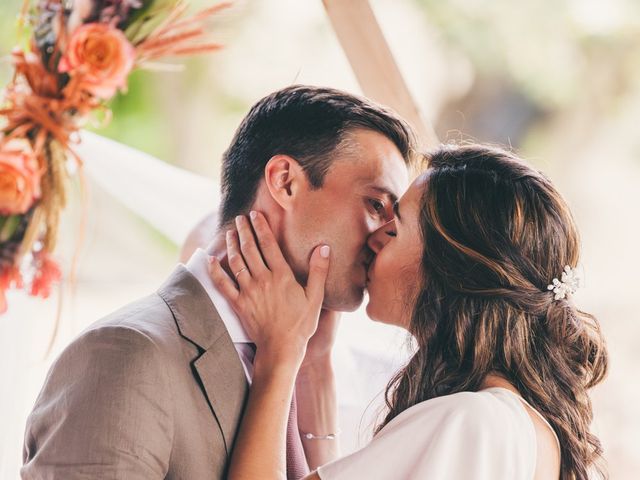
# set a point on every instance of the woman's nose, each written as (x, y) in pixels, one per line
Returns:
(381, 236)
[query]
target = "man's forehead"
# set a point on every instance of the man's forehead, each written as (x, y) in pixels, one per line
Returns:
(378, 165)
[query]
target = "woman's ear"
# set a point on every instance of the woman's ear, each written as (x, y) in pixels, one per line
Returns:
(284, 178)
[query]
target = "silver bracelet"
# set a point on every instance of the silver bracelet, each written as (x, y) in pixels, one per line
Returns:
(311, 436)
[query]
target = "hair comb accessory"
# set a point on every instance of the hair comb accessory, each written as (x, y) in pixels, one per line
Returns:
(568, 285)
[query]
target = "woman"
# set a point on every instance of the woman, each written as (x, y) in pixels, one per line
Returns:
(471, 267)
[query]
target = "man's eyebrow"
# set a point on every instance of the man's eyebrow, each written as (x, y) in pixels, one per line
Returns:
(385, 191)
(396, 210)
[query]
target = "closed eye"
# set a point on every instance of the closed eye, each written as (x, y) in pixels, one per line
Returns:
(377, 206)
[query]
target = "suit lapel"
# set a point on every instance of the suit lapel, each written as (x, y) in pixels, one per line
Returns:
(226, 392)
(218, 368)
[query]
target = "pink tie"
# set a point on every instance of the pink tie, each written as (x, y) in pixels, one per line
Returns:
(296, 461)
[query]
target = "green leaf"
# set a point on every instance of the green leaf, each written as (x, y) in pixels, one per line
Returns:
(9, 227)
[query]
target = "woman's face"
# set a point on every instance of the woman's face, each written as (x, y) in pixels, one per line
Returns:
(394, 274)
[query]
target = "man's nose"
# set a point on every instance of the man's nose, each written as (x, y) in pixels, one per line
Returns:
(380, 237)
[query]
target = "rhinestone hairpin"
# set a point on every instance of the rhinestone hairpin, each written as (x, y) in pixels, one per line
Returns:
(568, 285)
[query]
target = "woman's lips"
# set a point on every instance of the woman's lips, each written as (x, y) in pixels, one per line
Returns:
(369, 271)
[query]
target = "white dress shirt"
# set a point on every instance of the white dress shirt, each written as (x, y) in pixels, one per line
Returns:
(198, 266)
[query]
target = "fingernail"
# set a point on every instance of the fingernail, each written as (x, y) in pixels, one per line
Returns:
(324, 251)
(253, 214)
(211, 258)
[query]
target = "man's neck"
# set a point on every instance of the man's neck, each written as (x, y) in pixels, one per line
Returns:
(218, 248)
(218, 245)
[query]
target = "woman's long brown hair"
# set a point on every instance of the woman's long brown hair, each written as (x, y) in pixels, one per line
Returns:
(495, 233)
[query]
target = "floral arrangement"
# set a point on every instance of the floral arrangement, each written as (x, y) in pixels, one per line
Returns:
(79, 55)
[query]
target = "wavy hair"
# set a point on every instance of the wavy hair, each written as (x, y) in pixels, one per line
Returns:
(495, 233)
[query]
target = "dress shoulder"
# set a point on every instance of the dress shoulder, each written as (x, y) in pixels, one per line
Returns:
(472, 435)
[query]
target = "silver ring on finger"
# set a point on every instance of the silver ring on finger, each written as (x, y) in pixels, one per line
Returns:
(240, 271)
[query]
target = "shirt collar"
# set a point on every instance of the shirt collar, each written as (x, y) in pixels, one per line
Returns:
(198, 266)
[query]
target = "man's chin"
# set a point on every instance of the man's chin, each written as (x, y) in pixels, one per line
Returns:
(340, 302)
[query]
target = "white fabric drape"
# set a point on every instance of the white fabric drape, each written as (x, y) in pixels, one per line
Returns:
(169, 198)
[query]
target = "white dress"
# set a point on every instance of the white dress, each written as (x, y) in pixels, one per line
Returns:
(485, 435)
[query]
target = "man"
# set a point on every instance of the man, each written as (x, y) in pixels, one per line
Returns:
(157, 389)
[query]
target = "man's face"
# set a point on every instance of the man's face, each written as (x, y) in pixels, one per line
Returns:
(356, 199)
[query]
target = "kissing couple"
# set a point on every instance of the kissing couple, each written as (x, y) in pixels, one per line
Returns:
(226, 372)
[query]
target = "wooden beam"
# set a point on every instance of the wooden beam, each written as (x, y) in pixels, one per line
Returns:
(372, 62)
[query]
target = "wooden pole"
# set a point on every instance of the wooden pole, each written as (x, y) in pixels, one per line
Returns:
(372, 62)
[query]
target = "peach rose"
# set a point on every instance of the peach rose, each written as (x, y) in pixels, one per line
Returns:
(19, 177)
(102, 56)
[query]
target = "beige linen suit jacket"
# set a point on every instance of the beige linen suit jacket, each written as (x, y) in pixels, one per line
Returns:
(155, 390)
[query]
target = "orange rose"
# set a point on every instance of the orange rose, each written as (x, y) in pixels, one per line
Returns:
(102, 56)
(19, 177)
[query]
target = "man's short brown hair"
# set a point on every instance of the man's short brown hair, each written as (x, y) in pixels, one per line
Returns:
(307, 123)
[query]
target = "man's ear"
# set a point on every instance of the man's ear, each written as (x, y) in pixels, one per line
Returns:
(284, 178)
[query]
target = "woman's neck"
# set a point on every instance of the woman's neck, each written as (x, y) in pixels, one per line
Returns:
(495, 380)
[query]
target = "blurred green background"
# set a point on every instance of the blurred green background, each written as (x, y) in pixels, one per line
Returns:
(559, 81)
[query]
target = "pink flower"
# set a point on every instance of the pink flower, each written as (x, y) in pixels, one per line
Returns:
(101, 56)
(48, 272)
(19, 177)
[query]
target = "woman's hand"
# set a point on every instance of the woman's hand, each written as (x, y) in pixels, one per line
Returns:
(278, 313)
